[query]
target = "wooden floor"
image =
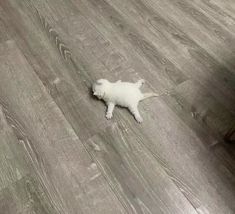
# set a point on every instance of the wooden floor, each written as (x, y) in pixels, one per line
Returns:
(58, 153)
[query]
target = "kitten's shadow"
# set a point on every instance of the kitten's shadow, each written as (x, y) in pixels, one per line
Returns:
(93, 97)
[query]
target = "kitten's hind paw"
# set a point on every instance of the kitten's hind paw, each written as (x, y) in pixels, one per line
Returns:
(108, 116)
(139, 119)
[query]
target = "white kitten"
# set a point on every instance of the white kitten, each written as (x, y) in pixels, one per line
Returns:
(120, 93)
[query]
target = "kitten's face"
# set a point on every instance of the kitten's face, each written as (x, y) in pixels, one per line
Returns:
(99, 87)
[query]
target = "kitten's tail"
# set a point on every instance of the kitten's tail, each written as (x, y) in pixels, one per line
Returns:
(148, 95)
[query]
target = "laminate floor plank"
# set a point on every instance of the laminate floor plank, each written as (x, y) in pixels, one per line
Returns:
(72, 179)
(12, 165)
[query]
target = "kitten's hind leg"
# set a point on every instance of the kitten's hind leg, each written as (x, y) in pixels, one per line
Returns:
(140, 82)
(109, 113)
(134, 110)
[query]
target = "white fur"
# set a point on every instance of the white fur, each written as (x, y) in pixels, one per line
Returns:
(120, 93)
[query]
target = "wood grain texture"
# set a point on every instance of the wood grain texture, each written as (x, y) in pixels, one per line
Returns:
(216, 13)
(209, 35)
(25, 196)
(71, 159)
(177, 46)
(228, 7)
(12, 166)
(52, 60)
(187, 117)
(132, 169)
(20, 189)
(73, 181)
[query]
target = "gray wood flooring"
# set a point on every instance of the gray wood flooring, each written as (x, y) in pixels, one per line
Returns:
(58, 153)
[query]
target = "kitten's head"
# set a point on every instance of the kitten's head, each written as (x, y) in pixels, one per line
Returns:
(100, 87)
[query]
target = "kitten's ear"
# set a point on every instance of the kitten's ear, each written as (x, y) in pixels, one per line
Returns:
(98, 82)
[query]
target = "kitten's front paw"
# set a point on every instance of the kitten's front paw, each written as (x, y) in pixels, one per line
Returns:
(109, 116)
(139, 119)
